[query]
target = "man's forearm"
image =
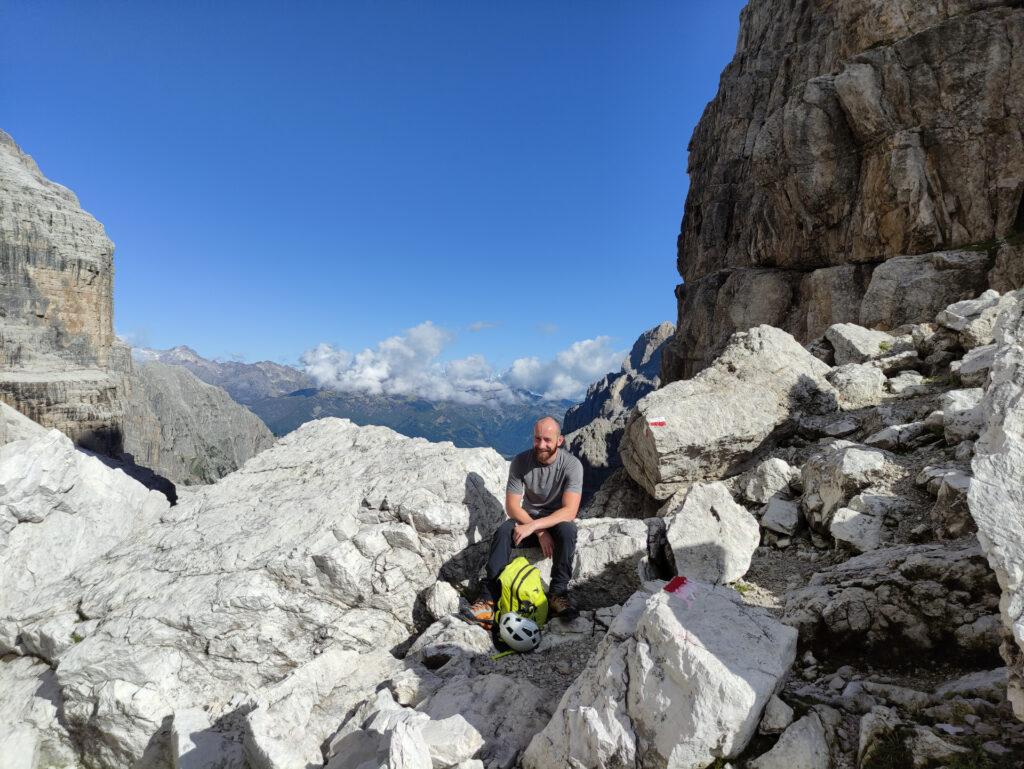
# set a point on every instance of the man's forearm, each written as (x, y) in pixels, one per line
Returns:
(517, 514)
(561, 515)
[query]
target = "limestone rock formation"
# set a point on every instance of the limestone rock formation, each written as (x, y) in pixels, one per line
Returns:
(862, 162)
(713, 425)
(187, 430)
(258, 607)
(59, 509)
(15, 426)
(608, 552)
(59, 360)
(712, 537)
(593, 428)
(996, 497)
(805, 743)
(916, 598)
(680, 679)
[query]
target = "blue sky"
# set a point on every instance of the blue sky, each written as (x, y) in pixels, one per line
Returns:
(276, 176)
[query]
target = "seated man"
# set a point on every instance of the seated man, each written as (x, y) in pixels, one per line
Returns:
(541, 500)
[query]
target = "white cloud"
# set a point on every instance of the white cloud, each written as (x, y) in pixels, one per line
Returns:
(569, 373)
(134, 338)
(409, 365)
(480, 325)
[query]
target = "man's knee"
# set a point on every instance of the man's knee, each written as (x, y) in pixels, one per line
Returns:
(504, 531)
(564, 532)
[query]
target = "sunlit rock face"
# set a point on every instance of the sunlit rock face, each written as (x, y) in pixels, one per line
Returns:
(995, 497)
(59, 360)
(252, 615)
(843, 135)
(186, 430)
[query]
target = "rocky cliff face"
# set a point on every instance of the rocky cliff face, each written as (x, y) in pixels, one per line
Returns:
(59, 360)
(186, 430)
(863, 161)
(62, 367)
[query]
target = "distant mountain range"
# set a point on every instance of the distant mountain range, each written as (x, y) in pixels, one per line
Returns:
(284, 398)
(245, 382)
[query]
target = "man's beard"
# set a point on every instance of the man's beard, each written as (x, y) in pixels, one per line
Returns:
(541, 454)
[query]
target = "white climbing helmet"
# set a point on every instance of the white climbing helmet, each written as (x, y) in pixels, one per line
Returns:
(519, 633)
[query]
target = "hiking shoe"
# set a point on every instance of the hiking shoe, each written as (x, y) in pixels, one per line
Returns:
(482, 613)
(561, 606)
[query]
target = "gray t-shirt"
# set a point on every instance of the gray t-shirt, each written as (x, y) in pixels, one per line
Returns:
(542, 486)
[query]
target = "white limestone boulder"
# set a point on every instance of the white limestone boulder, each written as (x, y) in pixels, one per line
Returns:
(442, 600)
(59, 508)
(986, 684)
(898, 437)
(907, 383)
(382, 733)
(287, 726)
(804, 744)
(283, 581)
(961, 419)
(996, 496)
(769, 478)
(950, 513)
(856, 344)
(876, 727)
(507, 712)
(31, 732)
(839, 471)
(857, 384)
(866, 522)
(777, 716)
(448, 645)
(608, 553)
(680, 679)
(781, 515)
(957, 315)
(15, 426)
(469, 721)
(710, 426)
(974, 320)
(972, 370)
(712, 538)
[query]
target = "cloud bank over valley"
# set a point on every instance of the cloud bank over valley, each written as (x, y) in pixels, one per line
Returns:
(410, 364)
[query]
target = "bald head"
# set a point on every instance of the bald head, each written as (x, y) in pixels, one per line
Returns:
(547, 437)
(547, 424)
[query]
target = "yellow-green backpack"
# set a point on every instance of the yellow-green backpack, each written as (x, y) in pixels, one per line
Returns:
(522, 592)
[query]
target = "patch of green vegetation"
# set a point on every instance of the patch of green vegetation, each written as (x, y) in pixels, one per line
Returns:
(885, 346)
(940, 379)
(959, 711)
(888, 752)
(719, 763)
(75, 638)
(741, 587)
(978, 758)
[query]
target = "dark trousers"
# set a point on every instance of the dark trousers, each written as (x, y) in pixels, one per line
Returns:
(564, 537)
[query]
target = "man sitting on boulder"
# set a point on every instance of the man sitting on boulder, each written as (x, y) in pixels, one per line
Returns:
(542, 497)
